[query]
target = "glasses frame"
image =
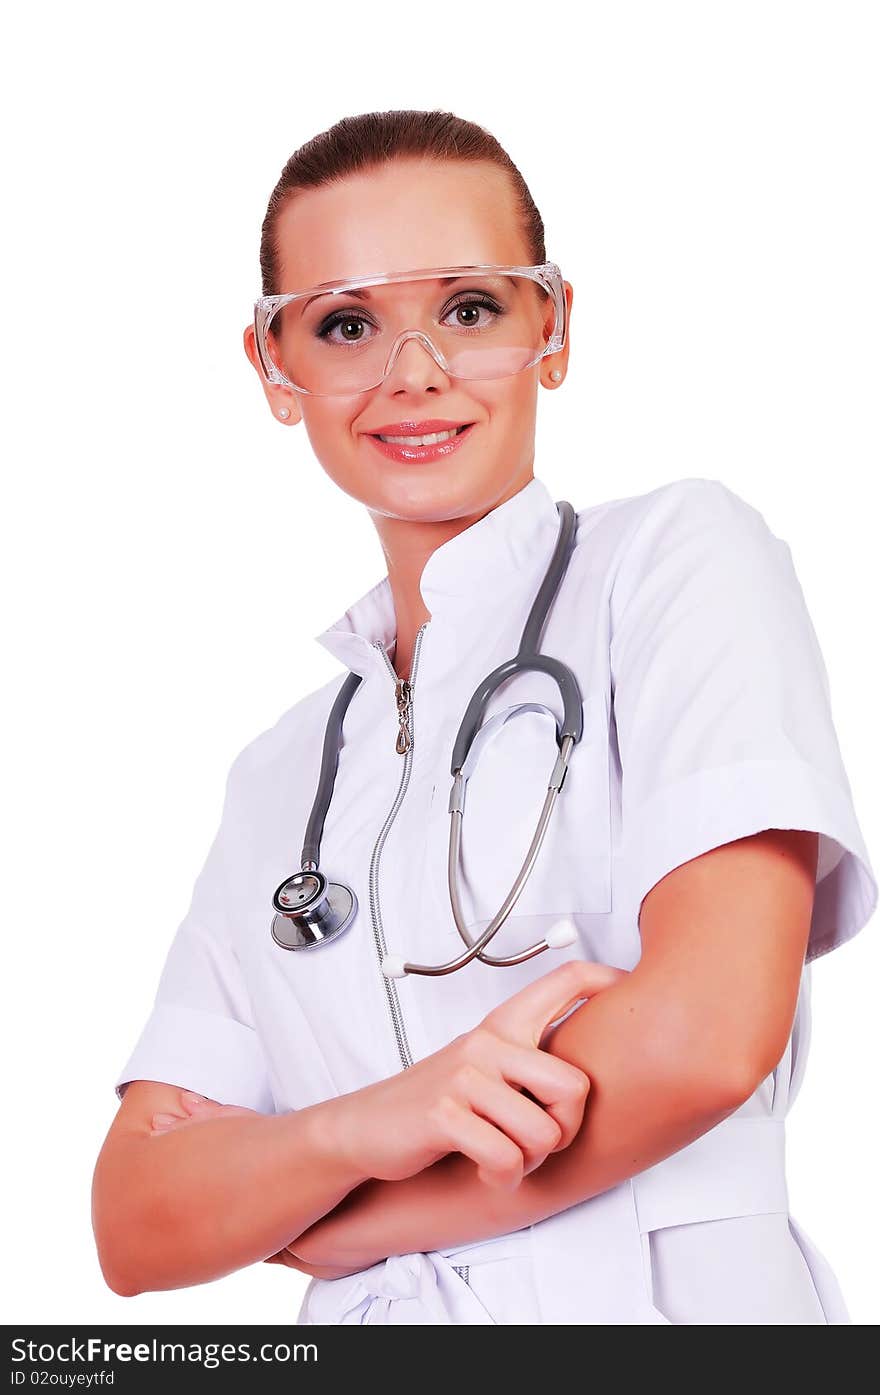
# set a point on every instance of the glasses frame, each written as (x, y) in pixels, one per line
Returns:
(547, 275)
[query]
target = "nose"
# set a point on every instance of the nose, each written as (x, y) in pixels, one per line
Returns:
(414, 364)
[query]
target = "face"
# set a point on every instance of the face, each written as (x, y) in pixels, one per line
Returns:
(408, 215)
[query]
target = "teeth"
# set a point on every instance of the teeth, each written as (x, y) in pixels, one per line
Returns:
(420, 440)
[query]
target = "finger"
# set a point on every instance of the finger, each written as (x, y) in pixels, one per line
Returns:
(161, 1123)
(525, 1016)
(225, 1111)
(499, 1161)
(558, 1085)
(201, 1108)
(524, 1121)
(192, 1101)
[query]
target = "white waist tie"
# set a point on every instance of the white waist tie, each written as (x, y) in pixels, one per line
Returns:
(414, 1288)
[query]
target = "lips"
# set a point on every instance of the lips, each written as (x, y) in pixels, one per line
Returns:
(419, 451)
(417, 428)
(429, 438)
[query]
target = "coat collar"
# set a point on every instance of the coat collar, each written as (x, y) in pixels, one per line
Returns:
(486, 560)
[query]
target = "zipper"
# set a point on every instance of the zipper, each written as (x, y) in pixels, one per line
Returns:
(404, 693)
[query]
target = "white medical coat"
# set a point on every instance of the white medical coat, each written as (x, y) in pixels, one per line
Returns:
(706, 718)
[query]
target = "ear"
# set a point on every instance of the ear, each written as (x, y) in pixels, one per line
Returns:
(559, 361)
(277, 396)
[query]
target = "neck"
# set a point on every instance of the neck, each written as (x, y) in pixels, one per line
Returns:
(407, 544)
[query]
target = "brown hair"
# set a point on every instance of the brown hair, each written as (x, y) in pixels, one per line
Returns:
(362, 142)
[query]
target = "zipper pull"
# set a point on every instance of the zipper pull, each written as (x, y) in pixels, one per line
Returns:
(404, 697)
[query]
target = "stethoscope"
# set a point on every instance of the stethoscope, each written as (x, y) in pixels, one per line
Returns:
(311, 911)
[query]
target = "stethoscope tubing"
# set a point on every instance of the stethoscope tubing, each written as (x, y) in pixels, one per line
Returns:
(319, 911)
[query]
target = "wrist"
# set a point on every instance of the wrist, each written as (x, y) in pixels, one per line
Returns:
(328, 1141)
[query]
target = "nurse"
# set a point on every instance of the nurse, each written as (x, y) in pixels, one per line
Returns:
(597, 1133)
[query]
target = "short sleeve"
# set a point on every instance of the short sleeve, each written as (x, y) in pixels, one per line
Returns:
(722, 703)
(200, 1033)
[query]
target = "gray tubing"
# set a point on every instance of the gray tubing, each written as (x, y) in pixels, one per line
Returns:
(528, 657)
(531, 636)
(329, 762)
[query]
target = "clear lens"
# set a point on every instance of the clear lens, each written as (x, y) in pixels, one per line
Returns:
(482, 326)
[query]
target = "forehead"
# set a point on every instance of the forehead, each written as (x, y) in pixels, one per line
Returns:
(405, 215)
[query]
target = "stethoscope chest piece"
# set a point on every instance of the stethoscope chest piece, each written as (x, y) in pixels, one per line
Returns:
(311, 911)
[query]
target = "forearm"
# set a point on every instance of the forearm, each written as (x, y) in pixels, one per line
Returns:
(193, 1204)
(651, 1094)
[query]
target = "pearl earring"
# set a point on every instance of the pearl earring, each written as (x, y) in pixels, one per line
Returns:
(284, 411)
(556, 374)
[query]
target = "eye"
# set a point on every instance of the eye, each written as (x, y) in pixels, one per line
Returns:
(349, 322)
(467, 308)
(474, 312)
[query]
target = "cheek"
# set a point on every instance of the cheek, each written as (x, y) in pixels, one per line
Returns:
(333, 438)
(517, 398)
(512, 418)
(506, 397)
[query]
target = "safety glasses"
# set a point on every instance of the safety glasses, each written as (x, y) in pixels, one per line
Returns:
(477, 322)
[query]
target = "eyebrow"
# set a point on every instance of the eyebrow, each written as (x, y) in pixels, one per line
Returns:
(363, 293)
(359, 294)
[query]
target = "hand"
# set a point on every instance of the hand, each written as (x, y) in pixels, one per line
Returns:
(492, 1094)
(195, 1109)
(317, 1271)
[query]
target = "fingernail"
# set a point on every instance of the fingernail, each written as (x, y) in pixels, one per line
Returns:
(193, 1098)
(164, 1119)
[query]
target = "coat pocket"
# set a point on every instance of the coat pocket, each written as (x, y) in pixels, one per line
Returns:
(714, 1222)
(744, 1270)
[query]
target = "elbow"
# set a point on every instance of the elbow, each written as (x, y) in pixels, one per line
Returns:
(719, 1050)
(124, 1292)
(752, 1067)
(112, 1251)
(728, 1076)
(133, 1252)
(739, 1081)
(115, 1253)
(117, 1283)
(121, 1222)
(707, 1069)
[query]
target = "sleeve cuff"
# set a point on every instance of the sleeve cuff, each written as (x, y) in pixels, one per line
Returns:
(719, 805)
(201, 1051)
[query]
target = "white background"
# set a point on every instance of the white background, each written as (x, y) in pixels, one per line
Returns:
(707, 177)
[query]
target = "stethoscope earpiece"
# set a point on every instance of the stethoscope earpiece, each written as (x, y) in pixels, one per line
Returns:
(562, 934)
(394, 966)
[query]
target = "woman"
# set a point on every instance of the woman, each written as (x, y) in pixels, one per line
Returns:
(594, 1134)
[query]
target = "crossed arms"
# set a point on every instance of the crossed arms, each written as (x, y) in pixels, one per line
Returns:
(670, 1050)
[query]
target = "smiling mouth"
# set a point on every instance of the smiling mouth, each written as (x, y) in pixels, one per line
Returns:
(431, 438)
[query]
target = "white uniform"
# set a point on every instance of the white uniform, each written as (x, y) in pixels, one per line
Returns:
(706, 718)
